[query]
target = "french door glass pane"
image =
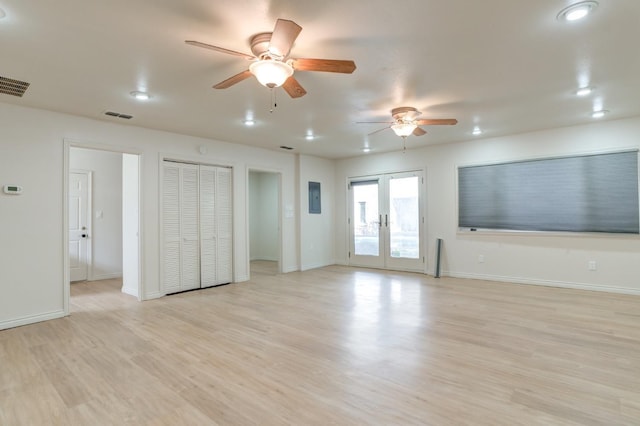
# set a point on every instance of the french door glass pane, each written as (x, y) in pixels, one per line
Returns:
(366, 227)
(404, 224)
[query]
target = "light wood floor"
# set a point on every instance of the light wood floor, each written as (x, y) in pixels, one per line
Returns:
(335, 345)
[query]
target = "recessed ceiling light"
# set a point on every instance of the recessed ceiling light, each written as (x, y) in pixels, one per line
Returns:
(141, 96)
(584, 91)
(309, 137)
(249, 122)
(599, 114)
(577, 11)
(476, 131)
(366, 149)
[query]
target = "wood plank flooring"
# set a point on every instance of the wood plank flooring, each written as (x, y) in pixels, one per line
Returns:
(335, 345)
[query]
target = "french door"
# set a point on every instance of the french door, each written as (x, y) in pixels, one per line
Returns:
(386, 221)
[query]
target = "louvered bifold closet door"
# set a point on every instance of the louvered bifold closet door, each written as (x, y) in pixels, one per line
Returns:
(171, 227)
(224, 216)
(208, 258)
(190, 227)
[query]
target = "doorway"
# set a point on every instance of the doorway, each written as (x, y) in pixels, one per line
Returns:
(264, 222)
(102, 217)
(386, 221)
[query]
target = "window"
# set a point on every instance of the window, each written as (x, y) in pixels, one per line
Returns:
(590, 193)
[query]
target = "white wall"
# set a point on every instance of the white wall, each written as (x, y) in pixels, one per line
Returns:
(263, 220)
(317, 231)
(106, 205)
(547, 259)
(32, 155)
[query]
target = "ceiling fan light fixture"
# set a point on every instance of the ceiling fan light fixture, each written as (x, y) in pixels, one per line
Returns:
(271, 73)
(403, 129)
(577, 11)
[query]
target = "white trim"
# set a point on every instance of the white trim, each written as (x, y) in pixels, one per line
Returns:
(546, 283)
(307, 267)
(112, 276)
(67, 144)
(32, 319)
(280, 260)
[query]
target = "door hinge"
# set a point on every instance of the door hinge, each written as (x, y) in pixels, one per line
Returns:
(423, 180)
(349, 221)
(349, 255)
(422, 259)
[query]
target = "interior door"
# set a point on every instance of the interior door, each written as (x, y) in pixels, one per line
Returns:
(78, 225)
(386, 222)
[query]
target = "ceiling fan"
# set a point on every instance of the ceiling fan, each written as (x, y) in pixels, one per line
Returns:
(405, 122)
(271, 63)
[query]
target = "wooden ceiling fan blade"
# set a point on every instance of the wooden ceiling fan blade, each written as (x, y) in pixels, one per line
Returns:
(419, 131)
(293, 88)
(436, 121)
(283, 37)
(233, 80)
(219, 49)
(323, 65)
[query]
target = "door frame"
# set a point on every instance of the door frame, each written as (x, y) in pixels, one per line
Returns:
(278, 173)
(89, 223)
(373, 175)
(67, 144)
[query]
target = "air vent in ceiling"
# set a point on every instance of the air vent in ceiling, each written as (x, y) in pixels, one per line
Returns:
(12, 87)
(286, 147)
(119, 115)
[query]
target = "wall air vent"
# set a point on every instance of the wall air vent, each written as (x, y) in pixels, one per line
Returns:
(119, 115)
(12, 87)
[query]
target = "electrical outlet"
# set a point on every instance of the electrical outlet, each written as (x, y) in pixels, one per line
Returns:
(592, 265)
(481, 258)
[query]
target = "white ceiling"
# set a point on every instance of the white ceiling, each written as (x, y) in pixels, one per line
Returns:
(506, 66)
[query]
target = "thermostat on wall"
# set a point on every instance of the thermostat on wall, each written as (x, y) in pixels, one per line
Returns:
(12, 189)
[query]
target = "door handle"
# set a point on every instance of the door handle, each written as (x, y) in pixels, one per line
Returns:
(84, 235)
(380, 222)
(386, 221)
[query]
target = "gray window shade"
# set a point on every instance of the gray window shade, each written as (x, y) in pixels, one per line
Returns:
(592, 193)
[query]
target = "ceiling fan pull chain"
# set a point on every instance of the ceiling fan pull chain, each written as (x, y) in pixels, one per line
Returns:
(272, 100)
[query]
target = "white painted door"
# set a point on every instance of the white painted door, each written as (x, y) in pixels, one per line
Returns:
(386, 222)
(79, 192)
(215, 226)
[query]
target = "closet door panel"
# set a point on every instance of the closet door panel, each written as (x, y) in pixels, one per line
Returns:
(190, 230)
(208, 258)
(171, 227)
(224, 216)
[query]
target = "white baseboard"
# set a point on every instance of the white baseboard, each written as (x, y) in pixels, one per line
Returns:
(241, 278)
(130, 291)
(154, 295)
(31, 319)
(315, 265)
(546, 283)
(106, 276)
